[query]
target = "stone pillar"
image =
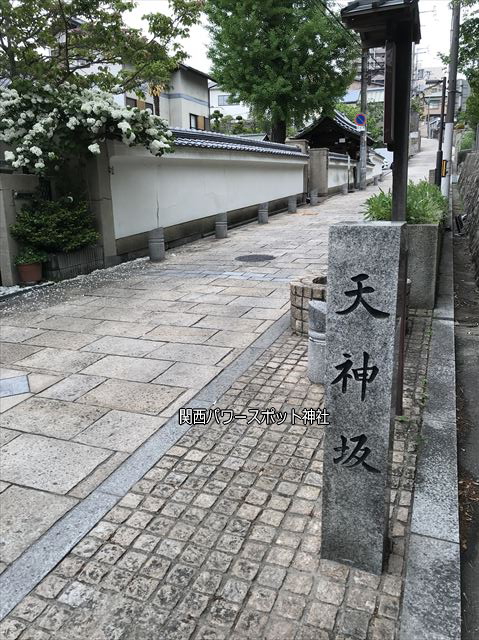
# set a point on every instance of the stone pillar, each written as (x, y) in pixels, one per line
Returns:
(221, 226)
(292, 204)
(156, 244)
(317, 341)
(98, 177)
(12, 186)
(432, 176)
(318, 171)
(263, 213)
(344, 189)
(376, 181)
(365, 280)
(313, 197)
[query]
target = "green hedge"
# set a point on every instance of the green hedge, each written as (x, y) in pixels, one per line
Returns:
(425, 204)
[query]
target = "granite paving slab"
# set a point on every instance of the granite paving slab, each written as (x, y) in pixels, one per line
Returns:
(132, 396)
(39, 462)
(182, 373)
(8, 402)
(128, 368)
(122, 346)
(7, 434)
(66, 323)
(72, 387)
(228, 324)
(120, 431)
(193, 353)
(236, 339)
(231, 310)
(17, 334)
(50, 417)
(14, 386)
(11, 352)
(174, 318)
(26, 514)
(168, 333)
(125, 329)
(61, 360)
(62, 339)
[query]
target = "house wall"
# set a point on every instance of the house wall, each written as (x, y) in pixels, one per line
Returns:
(233, 110)
(188, 93)
(193, 184)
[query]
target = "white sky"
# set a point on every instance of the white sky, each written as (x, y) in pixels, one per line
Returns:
(435, 30)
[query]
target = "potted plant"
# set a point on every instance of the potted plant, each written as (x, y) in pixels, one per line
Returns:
(29, 264)
(62, 228)
(425, 211)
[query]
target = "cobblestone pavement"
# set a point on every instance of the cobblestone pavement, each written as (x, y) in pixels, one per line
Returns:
(110, 357)
(221, 538)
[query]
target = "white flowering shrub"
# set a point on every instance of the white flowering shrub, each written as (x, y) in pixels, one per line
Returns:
(47, 124)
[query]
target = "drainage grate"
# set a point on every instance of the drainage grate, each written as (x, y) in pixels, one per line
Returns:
(255, 257)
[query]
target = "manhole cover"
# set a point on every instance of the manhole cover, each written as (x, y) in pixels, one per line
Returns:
(255, 257)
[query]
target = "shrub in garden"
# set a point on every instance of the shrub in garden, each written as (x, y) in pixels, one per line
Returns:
(30, 255)
(47, 124)
(425, 204)
(55, 226)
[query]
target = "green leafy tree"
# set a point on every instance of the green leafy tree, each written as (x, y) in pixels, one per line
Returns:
(288, 59)
(54, 40)
(468, 62)
(216, 118)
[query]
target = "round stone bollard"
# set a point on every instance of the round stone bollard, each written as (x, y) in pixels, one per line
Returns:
(376, 181)
(263, 213)
(317, 341)
(221, 226)
(344, 189)
(292, 204)
(156, 244)
(313, 197)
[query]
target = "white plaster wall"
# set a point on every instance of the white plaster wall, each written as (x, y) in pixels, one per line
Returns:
(148, 192)
(337, 173)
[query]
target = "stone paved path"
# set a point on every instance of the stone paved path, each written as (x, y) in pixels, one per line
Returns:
(221, 538)
(108, 363)
(110, 358)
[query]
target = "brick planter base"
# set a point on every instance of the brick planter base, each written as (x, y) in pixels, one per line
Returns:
(301, 293)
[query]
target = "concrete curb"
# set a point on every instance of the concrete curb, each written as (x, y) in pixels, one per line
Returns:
(432, 595)
(42, 556)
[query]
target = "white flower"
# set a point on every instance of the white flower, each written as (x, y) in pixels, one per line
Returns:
(36, 151)
(39, 164)
(9, 156)
(94, 148)
(72, 123)
(124, 126)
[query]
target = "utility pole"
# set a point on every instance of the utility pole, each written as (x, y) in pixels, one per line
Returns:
(441, 136)
(451, 98)
(363, 137)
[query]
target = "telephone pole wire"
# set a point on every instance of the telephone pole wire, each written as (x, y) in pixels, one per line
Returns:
(451, 99)
(363, 137)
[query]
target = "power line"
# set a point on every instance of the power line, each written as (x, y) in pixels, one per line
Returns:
(348, 32)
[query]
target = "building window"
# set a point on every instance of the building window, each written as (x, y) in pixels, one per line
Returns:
(198, 122)
(149, 106)
(193, 121)
(131, 102)
(225, 100)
